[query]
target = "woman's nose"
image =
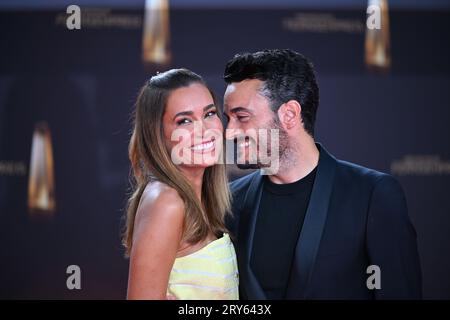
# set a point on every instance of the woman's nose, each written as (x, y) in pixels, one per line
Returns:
(231, 132)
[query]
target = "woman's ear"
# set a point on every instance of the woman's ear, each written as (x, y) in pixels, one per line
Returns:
(289, 114)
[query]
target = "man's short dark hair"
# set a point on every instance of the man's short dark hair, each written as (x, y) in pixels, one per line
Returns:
(287, 75)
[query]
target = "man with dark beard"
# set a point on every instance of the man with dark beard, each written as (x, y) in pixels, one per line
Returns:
(312, 227)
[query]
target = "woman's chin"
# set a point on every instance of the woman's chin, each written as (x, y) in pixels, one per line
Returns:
(204, 163)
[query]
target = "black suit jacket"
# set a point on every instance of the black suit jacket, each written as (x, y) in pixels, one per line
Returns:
(356, 217)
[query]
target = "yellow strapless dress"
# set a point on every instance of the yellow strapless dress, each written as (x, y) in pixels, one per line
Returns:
(207, 274)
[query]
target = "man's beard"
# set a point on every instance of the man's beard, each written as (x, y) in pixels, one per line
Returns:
(283, 141)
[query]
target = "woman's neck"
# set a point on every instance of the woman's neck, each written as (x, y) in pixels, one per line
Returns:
(195, 178)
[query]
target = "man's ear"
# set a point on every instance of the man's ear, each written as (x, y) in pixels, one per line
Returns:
(289, 114)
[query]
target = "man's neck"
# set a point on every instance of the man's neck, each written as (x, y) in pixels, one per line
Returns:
(303, 158)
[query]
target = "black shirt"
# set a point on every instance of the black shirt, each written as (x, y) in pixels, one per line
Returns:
(279, 222)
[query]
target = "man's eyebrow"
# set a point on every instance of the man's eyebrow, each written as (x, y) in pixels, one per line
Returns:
(239, 109)
(190, 113)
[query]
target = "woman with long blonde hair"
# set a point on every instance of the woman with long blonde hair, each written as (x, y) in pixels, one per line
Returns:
(175, 232)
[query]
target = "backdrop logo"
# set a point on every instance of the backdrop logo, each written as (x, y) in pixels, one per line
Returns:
(322, 23)
(420, 165)
(156, 33)
(12, 168)
(41, 182)
(377, 44)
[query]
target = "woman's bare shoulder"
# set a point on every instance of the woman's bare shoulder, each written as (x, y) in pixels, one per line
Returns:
(161, 206)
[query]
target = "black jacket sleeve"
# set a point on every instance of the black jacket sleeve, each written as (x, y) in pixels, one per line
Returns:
(391, 242)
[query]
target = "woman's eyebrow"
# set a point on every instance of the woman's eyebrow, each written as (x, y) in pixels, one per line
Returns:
(183, 113)
(190, 113)
(209, 106)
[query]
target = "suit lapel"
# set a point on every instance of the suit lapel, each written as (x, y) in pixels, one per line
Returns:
(249, 214)
(314, 223)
